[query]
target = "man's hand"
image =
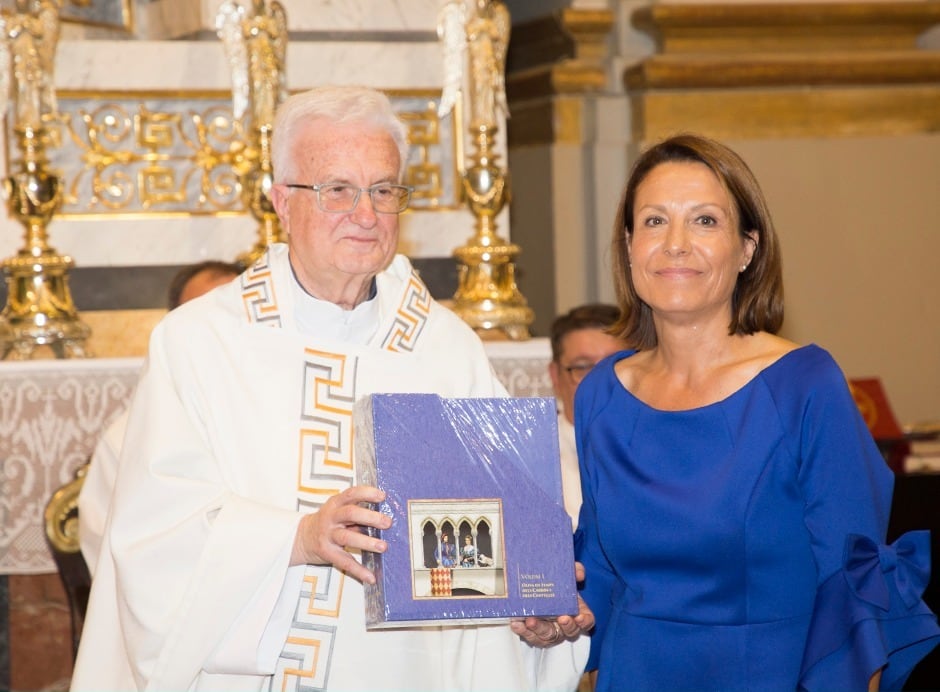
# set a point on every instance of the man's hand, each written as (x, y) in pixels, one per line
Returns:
(324, 536)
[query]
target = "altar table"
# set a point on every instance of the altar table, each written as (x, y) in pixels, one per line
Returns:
(53, 411)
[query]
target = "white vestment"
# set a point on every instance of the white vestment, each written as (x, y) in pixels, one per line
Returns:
(570, 472)
(95, 497)
(240, 424)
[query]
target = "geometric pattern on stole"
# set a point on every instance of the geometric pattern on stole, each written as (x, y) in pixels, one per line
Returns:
(325, 467)
(258, 295)
(410, 318)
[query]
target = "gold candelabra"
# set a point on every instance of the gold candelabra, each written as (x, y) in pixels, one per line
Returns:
(255, 41)
(253, 165)
(487, 297)
(39, 310)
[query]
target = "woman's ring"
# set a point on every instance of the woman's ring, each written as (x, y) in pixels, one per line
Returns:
(558, 633)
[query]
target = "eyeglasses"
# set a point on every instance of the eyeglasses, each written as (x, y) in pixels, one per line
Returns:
(577, 371)
(340, 197)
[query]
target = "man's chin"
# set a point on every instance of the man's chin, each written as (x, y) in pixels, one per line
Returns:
(364, 264)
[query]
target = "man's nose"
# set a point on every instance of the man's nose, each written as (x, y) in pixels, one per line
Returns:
(364, 212)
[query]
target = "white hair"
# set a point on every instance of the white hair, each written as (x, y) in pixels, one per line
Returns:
(338, 105)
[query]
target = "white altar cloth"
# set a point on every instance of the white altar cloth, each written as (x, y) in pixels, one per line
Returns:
(53, 411)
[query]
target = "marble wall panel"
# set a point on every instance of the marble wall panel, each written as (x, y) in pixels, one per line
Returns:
(360, 16)
(168, 19)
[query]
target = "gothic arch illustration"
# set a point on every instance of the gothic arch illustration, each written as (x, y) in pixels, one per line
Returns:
(457, 548)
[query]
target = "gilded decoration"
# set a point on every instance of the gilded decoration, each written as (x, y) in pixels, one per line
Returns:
(255, 39)
(817, 69)
(474, 38)
(787, 27)
(39, 315)
(170, 153)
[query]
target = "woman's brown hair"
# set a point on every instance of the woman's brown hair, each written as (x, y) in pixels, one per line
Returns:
(757, 301)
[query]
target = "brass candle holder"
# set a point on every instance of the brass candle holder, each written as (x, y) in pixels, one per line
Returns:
(487, 297)
(253, 165)
(39, 309)
(254, 36)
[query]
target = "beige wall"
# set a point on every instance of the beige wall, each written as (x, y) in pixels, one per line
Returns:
(859, 223)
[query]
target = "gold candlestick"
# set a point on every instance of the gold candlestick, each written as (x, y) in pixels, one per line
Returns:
(39, 309)
(255, 41)
(253, 165)
(487, 297)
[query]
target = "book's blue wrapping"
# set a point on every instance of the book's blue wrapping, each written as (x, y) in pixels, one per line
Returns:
(485, 472)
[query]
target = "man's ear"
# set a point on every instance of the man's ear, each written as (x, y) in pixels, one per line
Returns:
(278, 195)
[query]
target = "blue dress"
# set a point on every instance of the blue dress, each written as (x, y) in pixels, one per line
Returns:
(740, 545)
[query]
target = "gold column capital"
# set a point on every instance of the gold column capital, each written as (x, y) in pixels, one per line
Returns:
(790, 26)
(786, 69)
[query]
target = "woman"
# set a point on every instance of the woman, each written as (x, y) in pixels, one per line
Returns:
(468, 553)
(735, 505)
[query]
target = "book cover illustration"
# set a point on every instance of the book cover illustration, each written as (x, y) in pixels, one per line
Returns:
(473, 486)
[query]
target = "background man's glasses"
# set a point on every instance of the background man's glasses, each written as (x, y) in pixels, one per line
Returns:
(577, 371)
(341, 198)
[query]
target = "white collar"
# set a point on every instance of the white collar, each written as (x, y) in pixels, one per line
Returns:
(326, 320)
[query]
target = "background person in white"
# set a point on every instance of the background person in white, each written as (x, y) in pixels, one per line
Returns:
(190, 282)
(579, 341)
(230, 557)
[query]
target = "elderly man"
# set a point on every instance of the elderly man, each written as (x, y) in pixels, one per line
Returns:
(230, 559)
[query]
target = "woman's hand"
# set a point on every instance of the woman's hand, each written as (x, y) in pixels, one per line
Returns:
(545, 632)
(325, 536)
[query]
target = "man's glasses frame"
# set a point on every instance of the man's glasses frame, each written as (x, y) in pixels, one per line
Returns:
(577, 371)
(341, 198)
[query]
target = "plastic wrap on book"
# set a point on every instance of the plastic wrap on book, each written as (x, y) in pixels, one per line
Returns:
(473, 486)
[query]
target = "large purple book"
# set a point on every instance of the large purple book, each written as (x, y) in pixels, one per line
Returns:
(479, 530)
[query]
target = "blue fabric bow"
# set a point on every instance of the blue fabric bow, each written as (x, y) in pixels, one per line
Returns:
(871, 568)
